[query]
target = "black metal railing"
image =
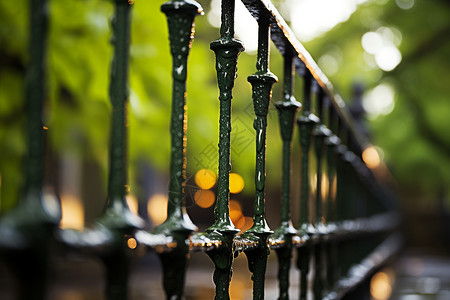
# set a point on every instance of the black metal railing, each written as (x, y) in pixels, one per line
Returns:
(349, 235)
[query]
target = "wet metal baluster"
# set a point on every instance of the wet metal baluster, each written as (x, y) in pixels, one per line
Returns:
(25, 232)
(227, 50)
(262, 82)
(180, 19)
(306, 123)
(35, 90)
(117, 216)
(320, 132)
(342, 188)
(287, 108)
(332, 142)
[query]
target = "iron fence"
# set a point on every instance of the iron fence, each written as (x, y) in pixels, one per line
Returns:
(350, 234)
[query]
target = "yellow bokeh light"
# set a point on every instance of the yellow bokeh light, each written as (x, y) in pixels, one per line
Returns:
(132, 203)
(325, 187)
(313, 183)
(380, 286)
(132, 243)
(204, 198)
(205, 179)
(72, 212)
(157, 208)
(370, 157)
(236, 183)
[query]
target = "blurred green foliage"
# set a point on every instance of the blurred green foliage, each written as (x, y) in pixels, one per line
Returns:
(414, 135)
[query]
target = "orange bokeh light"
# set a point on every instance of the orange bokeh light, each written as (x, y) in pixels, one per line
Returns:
(371, 158)
(204, 198)
(132, 243)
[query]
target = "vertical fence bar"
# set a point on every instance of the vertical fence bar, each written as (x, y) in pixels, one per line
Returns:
(332, 142)
(343, 197)
(306, 123)
(117, 216)
(320, 133)
(118, 93)
(287, 109)
(227, 50)
(116, 205)
(28, 227)
(35, 85)
(262, 82)
(180, 18)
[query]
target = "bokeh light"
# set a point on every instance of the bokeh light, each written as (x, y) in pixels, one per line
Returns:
(325, 187)
(236, 183)
(382, 44)
(132, 203)
(371, 42)
(204, 198)
(235, 212)
(379, 101)
(240, 223)
(370, 157)
(132, 243)
(72, 212)
(311, 18)
(381, 286)
(248, 223)
(328, 64)
(157, 208)
(405, 4)
(205, 179)
(388, 57)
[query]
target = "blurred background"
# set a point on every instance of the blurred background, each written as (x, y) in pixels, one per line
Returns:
(395, 52)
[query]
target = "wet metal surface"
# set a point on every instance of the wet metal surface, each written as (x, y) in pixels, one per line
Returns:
(422, 276)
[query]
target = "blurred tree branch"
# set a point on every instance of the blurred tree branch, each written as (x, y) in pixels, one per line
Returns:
(435, 41)
(422, 125)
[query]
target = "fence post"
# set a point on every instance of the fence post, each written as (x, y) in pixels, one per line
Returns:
(180, 18)
(306, 122)
(262, 82)
(227, 50)
(287, 109)
(320, 133)
(331, 142)
(117, 217)
(25, 232)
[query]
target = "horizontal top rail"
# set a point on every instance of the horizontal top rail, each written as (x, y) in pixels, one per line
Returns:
(283, 38)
